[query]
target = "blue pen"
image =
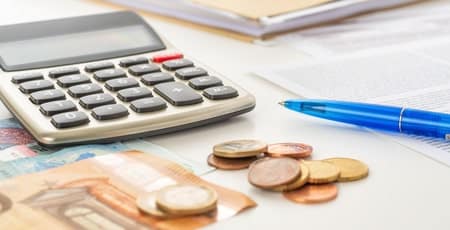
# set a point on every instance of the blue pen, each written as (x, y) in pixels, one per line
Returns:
(404, 120)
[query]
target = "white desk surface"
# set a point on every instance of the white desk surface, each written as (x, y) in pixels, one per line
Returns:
(405, 190)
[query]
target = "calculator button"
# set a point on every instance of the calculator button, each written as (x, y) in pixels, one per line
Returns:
(63, 71)
(108, 74)
(156, 78)
(90, 68)
(178, 93)
(55, 107)
(121, 83)
(148, 105)
(177, 64)
(132, 94)
(220, 92)
(139, 70)
(133, 61)
(78, 91)
(200, 83)
(26, 77)
(108, 112)
(46, 96)
(166, 56)
(191, 72)
(71, 80)
(95, 100)
(37, 85)
(69, 119)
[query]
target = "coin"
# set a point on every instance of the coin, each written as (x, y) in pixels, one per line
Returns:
(296, 184)
(295, 150)
(230, 163)
(147, 203)
(186, 199)
(321, 172)
(239, 148)
(313, 193)
(351, 169)
(272, 172)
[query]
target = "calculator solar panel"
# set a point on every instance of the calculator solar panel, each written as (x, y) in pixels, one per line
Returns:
(120, 91)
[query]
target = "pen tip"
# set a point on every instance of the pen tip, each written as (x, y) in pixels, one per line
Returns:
(282, 103)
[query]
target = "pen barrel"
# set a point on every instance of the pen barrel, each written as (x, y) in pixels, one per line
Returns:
(425, 123)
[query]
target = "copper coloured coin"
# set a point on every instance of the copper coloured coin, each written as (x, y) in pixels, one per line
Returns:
(312, 193)
(268, 173)
(295, 150)
(230, 163)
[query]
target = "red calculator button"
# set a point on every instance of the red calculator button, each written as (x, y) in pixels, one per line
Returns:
(166, 56)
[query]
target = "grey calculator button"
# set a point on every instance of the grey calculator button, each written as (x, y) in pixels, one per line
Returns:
(63, 71)
(148, 105)
(37, 85)
(90, 68)
(132, 94)
(78, 91)
(71, 80)
(108, 74)
(121, 83)
(69, 119)
(200, 83)
(178, 93)
(108, 112)
(26, 77)
(177, 64)
(156, 78)
(96, 100)
(139, 70)
(220, 92)
(190, 72)
(133, 61)
(55, 107)
(44, 96)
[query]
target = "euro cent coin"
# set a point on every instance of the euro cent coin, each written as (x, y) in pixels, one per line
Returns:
(302, 180)
(295, 150)
(268, 173)
(312, 193)
(321, 172)
(186, 199)
(351, 169)
(230, 163)
(239, 148)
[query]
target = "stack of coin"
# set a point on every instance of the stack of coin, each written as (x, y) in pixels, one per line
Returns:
(236, 154)
(178, 201)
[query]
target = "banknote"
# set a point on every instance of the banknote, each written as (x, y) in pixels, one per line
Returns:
(12, 133)
(101, 193)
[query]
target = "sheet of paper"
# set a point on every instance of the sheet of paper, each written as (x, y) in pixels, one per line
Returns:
(418, 78)
(256, 9)
(392, 28)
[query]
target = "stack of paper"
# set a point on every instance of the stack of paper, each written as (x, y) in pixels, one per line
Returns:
(260, 17)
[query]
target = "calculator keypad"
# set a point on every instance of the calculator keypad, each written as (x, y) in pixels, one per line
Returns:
(191, 87)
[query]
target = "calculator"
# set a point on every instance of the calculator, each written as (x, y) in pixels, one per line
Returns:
(107, 77)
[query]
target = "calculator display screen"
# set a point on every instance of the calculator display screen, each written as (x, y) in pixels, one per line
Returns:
(77, 45)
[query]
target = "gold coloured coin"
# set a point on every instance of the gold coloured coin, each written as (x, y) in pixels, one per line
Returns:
(296, 184)
(295, 150)
(186, 199)
(313, 193)
(239, 148)
(351, 169)
(268, 173)
(230, 163)
(147, 203)
(321, 172)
